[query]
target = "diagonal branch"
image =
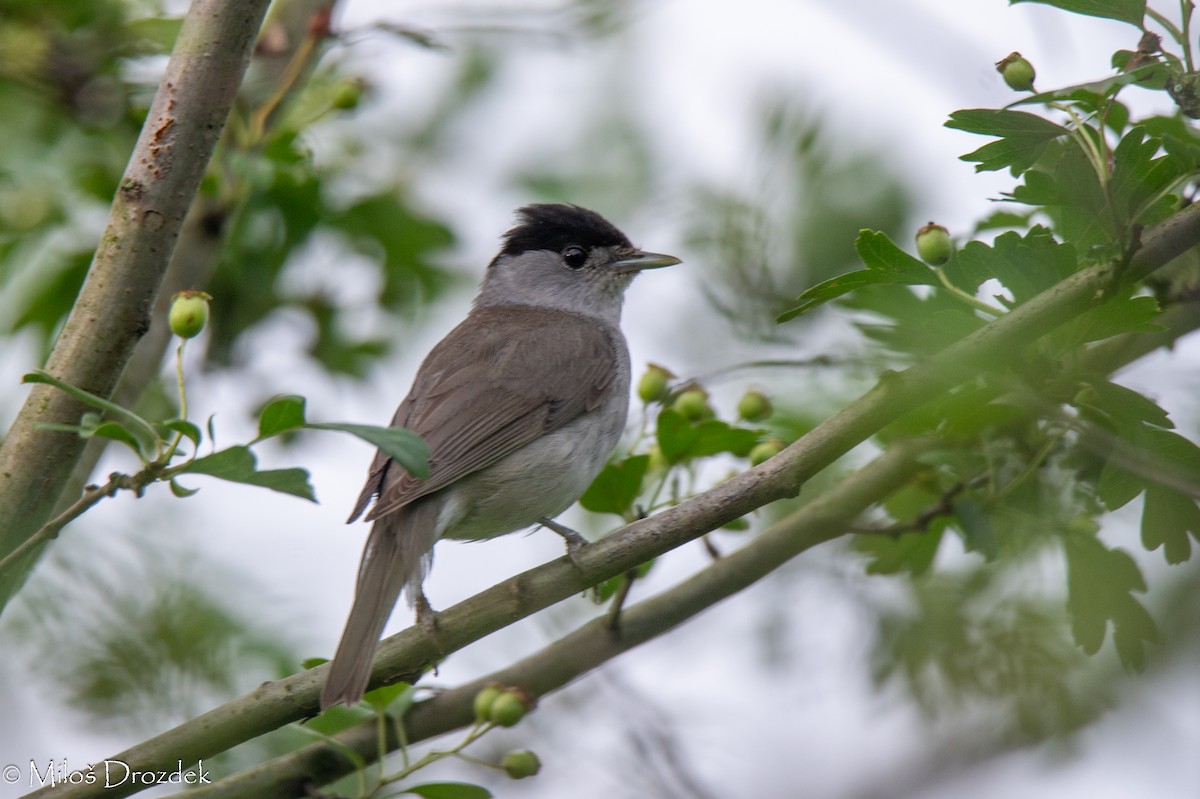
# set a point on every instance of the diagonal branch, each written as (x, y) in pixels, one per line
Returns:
(113, 308)
(403, 656)
(594, 643)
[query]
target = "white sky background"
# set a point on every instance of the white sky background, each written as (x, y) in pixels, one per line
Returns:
(887, 74)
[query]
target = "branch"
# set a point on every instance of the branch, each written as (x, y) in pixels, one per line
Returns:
(405, 655)
(593, 644)
(113, 308)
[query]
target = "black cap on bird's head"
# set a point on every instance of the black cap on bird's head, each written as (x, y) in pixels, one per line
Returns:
(554, 226)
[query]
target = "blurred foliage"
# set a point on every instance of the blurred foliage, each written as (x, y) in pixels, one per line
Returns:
(75, 82)
(810, 198)
(159, 644)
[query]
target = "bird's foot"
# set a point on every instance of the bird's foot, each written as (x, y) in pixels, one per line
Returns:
(575, 542)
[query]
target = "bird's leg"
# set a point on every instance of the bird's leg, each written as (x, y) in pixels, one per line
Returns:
(614, 611)
(427, 620)
(575, 542)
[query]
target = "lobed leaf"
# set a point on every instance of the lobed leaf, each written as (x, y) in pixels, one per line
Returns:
(1130, 11)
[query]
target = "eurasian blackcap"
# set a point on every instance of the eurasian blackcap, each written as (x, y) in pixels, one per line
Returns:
(521, 406)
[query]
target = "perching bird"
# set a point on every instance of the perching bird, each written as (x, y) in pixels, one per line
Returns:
(521, 406)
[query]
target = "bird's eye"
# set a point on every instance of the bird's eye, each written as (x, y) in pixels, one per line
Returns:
(574, 257)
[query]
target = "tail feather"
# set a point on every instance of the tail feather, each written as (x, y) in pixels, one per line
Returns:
(397, 554)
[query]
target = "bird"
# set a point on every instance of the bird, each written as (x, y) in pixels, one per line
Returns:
(521, 405)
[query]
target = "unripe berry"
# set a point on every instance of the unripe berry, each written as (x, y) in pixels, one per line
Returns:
(348, 95)
(934, 244)
(189, 313)
(507, 709)
(1017, 72)
(693, 405)
(764, 450)
(754, 406)
(653, 385)
(521, 764)
(658, 461)
(484, 701)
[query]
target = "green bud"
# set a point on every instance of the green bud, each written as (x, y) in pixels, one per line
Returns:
(1017, 72)
(693, 405)
(189, 313)
(521, 764)
(484, 701)
(934, 244)
(508, 708)
(653, 385)
(765, 450)
(754, 406)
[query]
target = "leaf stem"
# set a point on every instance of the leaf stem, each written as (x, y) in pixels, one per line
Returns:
(183, 410)
(1186, 7)
(974, 302)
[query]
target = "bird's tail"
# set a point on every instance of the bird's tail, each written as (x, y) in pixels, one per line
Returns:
(397, 554)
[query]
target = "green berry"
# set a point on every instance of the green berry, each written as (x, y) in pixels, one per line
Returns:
(1017, 72)
(348, 95)
(765, 450)
(189, 313)
(653, 385)
(521, 764)
(1083, 525)
(507, 709)
(484, 701)
(693, 405)
(754, 406)
(934, 244)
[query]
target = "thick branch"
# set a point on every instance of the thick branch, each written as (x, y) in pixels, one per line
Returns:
(113, 308)
(406, 654)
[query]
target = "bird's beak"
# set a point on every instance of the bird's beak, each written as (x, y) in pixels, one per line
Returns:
(638, 260)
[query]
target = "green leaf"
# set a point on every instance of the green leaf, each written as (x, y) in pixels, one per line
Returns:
(1122, 408)
(281, 414)
(141, 430)
(1167, 518)
(238, 464)
(829, 290)
(1131, 11)
(890, 262)
(675, 435)
(182, 491)
(617, 486)
(1026, 265)
(189, 431)
(911, 552)
(400, 444)
(1023, 137)
(116, 431)
(383, 697)
(976, 527)
(1118, 487)
(1100, 582)
(681, 440)
(886, 263)
(1118, 316)
(449, 790)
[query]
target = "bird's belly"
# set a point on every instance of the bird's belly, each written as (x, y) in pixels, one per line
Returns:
(542, 479)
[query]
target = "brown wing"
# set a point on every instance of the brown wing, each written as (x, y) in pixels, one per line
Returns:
(486, 390)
